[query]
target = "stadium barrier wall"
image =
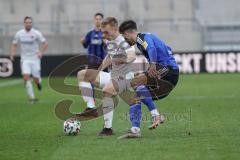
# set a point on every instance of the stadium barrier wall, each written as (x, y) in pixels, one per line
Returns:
(189, 63)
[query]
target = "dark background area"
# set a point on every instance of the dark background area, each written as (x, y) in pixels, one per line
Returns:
(49, 63)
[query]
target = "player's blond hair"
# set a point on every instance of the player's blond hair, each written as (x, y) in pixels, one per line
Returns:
(112, 21)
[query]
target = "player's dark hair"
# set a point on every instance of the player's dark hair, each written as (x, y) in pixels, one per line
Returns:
(26, 18)
(128, 25)
(99, 14)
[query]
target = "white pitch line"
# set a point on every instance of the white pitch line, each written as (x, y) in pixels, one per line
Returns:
(10, 83)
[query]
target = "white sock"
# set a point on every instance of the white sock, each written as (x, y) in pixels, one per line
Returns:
(154, 113)
(29, 89)
(135, 130)
(108, 107)
(87, 93)
(108, 118)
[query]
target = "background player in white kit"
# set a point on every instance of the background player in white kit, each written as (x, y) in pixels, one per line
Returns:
(31, 54)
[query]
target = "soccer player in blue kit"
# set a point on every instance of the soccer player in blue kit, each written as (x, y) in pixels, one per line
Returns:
(93, 41)
(163, 72)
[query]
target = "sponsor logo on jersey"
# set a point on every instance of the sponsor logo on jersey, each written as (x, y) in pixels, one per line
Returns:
(145, 45)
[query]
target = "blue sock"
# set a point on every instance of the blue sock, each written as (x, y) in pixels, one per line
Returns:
(146, 98)
(135, 113)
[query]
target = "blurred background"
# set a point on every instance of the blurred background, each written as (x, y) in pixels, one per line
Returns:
(186, 25)
(194, 27)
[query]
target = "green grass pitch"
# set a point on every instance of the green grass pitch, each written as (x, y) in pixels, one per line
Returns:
(203, 122)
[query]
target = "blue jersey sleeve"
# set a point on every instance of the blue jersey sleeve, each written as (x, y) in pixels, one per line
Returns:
(149, 46)
(87, 40)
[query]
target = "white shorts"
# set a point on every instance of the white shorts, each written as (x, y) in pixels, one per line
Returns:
(31, 67)
(106, 78)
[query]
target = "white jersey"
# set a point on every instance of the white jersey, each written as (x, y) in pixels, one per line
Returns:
(29, 43)
(115, 49)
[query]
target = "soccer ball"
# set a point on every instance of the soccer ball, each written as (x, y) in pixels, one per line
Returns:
(71, 127)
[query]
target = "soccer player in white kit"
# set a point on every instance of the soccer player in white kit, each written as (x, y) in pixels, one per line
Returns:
(31, 54)
(100, 78)
(116, 48)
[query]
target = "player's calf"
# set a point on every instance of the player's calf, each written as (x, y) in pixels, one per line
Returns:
(38, 83)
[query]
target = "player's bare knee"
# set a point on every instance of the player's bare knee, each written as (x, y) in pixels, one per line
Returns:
(130, 98)
(108, 92)
(26, 77)
(81, 75)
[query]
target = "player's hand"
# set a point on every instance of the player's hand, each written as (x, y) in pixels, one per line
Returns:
(11, 57)
(39, 54)
(82, 40)
(152, 72)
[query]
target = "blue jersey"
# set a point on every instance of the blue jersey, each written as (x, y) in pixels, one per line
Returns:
(155, 50)
(94, 44)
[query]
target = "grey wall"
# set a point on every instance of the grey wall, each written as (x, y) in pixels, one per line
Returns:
(181, 23)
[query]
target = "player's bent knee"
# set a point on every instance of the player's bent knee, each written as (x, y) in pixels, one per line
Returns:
(81, 75)
(26, 77)
(87, 75)
(108, 92)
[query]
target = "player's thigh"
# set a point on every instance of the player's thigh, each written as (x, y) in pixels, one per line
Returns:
(25, 69)
(36, 69)
(162, 90)
(90, 75)
(141, 79)
(110, 89)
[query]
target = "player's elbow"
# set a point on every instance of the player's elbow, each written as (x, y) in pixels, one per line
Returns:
(13, 45)
(45, 44)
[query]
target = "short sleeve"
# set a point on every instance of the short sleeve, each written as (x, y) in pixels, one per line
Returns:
(40, 36)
